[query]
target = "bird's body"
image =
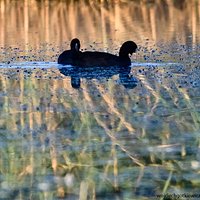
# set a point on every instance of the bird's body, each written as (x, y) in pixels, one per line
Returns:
(97, 59)
(101, 59)
(67, 57)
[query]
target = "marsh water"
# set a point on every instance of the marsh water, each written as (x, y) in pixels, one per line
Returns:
(100, 133)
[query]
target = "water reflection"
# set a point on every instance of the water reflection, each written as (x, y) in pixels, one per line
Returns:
(99, 73)
(103, 141)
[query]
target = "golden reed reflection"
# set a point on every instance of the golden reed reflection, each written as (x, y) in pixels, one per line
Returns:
(34, 22)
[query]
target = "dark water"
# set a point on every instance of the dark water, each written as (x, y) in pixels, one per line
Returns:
(99, 134)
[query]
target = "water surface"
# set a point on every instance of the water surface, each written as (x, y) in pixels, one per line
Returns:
(99, 134)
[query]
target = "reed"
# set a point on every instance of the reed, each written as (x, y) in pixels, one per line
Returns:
(57, 22)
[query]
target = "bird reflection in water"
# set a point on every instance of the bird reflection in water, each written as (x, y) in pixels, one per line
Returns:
(99, 73)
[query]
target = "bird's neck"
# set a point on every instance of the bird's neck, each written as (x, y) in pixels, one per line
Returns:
(123, 54)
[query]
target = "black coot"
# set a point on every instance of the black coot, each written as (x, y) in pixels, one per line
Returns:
(69, 57)
(102, 59)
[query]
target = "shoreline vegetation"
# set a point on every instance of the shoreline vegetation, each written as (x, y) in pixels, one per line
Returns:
(35, 22)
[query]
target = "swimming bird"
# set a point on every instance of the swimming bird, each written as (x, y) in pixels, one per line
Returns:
(103, 59)
(69, 57)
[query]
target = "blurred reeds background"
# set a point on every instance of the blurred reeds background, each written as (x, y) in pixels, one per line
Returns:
(57, 21)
